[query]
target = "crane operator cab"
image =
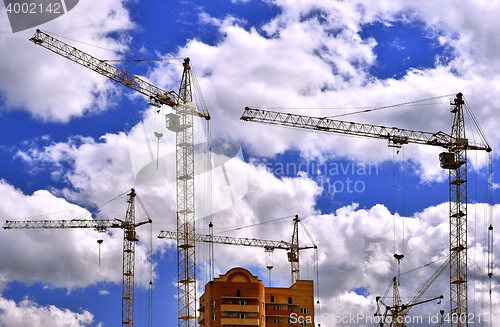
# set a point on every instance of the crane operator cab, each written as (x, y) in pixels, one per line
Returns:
(447, 160)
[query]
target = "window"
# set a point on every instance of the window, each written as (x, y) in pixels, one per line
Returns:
(262, 305)
(304, 323)
(272, 298)
(290, 299)
(262, 318)
(229, 302)
(238, 293)
(290, 309)
(214, 303)
(277, 308)
(242, 316)
(229, 315)
(242, 302)
(277, 320)
(304, 310)
(214, 316)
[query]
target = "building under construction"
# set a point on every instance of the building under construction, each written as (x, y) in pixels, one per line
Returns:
(239, 298)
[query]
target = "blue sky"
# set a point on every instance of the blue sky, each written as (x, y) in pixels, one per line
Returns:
(67, 146)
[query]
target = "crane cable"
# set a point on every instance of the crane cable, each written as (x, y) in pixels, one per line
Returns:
(475, 124)
(389, 106)
(87, 213)
(475, 234)
(367, 109)
(490, 229)
(117, 52)
(141, 273)
(394, 195)
(427, 264)
(252, 225)
(99, 207)
(488, 205)
(316, 266)
(398, 257)
(403, 242)
(150, 286)
(205, 165)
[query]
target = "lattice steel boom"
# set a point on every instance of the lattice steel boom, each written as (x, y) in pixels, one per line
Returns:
(156, 95)
(399, 310)
(455, 160)
(97, 224)
(129, 238)
(182, 124)
(292, 248)
(228, 240)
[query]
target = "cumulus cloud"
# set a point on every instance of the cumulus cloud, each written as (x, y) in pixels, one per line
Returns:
(355, 244)
(30, 81)
(61, 258)
(311, 55)
(30, 313)
(356, 263)
(95, 171)
(104, 292)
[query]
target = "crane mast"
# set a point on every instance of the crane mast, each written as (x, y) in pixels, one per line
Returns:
(457, 166)
(180, 122)
(293, 254)
(455, 160)
(182, 125)
(129, 239)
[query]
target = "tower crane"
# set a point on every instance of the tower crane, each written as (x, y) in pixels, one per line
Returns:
(292, 248)
(180, 122)
(454, 159)
(398, 311)
(129, 238)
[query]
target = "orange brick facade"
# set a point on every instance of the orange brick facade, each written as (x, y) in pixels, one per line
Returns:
(238, 298)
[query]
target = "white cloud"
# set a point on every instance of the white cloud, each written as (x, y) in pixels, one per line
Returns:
(355, 250)
(311, 55)
(204, 18)
(355, 245)
(297, 60)
(98, 171)
(30, 313)
(44, 84)
(104, 292)
(61, 258)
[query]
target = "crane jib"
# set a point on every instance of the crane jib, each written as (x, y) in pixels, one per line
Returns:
(156, 96)
(395, 136)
